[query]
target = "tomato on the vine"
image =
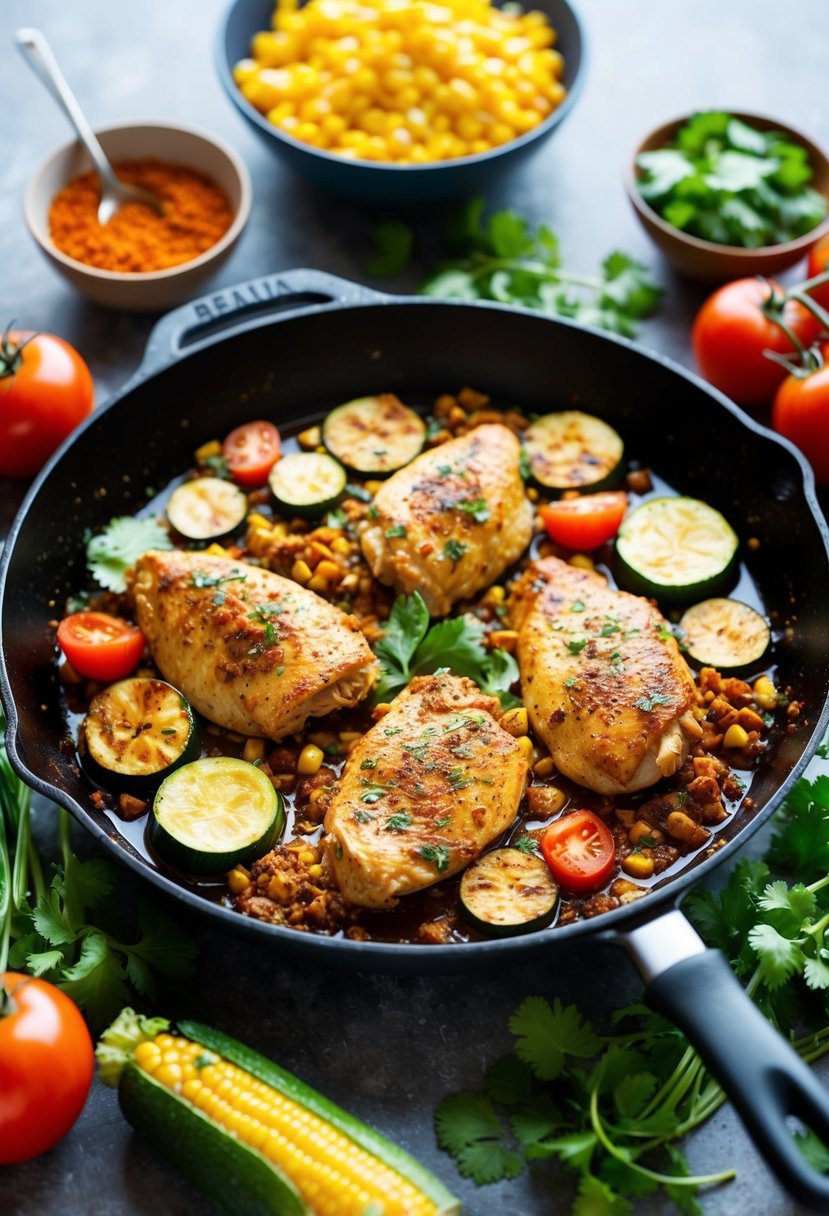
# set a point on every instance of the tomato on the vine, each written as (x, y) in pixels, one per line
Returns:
(580, 851)
(46, 1065)
(251, 451)
(732, 330)
(45, 391)
(819, 264)
(100, 646)
(801, 413)
(584, 522)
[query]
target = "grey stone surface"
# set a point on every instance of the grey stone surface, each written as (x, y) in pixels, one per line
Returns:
(388, 1049)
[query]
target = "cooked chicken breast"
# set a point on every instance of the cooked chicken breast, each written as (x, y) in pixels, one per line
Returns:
(450, 522)
(603, 680)
(423, 792)
(252, 651)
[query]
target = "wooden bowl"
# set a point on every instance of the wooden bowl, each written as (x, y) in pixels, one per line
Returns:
(706, 260)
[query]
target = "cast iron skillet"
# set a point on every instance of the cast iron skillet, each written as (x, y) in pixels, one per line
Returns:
(291, 346)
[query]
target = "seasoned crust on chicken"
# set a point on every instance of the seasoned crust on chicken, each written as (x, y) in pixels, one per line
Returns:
(252, 651)
(429, 786)
(602, 678)
(451, 522)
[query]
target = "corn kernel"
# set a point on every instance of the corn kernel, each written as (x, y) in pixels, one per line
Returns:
(525, 744)
(638, 865)
(310, 760)
(641, 830)
(683, 827)
(300, 571)
(735, 736)
(238, 880)
(207, 451)
(515, 721)
(254, 750)
(765, 694)
(545, 767)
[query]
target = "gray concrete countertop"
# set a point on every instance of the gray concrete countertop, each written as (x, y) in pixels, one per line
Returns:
(388, 1049)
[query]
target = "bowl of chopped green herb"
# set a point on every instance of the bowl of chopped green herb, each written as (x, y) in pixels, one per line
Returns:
(726, 195)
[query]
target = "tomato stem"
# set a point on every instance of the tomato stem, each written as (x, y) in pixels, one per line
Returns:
(11, 353)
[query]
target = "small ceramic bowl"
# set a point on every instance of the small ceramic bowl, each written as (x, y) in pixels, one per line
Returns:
(706, 260)
(179, 145)
(383, 183)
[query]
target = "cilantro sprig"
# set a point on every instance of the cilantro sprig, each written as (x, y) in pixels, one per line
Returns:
(502, 258)
(612, 1108)
(410, 648)
(71, 931)
(110, 553)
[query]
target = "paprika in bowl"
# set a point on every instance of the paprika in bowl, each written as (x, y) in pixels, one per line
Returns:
(141, 261)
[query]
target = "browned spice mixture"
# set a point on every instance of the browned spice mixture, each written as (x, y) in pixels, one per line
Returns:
(196, 215)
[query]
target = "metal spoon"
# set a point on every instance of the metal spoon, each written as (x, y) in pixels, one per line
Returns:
(38, 54)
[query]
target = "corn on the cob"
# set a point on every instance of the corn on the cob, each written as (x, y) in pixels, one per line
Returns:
(322, 1161)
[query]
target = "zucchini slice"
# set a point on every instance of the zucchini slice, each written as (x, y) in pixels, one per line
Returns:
(374, 436)
(507, 892)
(570, 450)
(725, 634)
(675, 549)
(136, 733)
(206, 508)
(307, 483)
(215, 813)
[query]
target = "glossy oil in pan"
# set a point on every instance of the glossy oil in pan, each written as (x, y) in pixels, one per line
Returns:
(290, 347)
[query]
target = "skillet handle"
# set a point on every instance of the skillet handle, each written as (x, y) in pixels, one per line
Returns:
(761, 1073)
(243, 306)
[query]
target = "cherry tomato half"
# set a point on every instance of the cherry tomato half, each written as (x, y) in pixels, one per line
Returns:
(819, 264)
(100, 646)
(731, 331)
(46, 1066)
(45, 391)
(580, 851)
(585, 522)
(251, 451)
(801, 413)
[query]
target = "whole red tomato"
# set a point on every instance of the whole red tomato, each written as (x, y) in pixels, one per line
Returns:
(801, 413)
(731, 331)
(46, 1066)
(45, 391)
(819, 264)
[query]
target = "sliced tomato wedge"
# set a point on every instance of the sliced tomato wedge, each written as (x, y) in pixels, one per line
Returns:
(251, 451)
(100, 646)
(580, 851)
(587, 521)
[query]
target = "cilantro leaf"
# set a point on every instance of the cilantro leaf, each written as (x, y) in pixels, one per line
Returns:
(595, 1198)
(468, 1127)
(111, 553)
(393, 242)
(509, 1081)
(778, 956)
(96, 980)
(576, 1149)
(546, 1034)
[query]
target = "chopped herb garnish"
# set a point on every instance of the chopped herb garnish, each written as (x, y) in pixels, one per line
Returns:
(524, 466)
(280, 671)
(200, 578)
(398, 822)
(169, 730)
(577, 606)
(362, 816)
(458, 779)
(217, 465)
(443, 822)
(478, 508)
(646, 704)
(355, 491)
(397, 530)
(437, 853)
(526, 844)
(373, 794)
(572, 682)
(577, 646)
(369, 762)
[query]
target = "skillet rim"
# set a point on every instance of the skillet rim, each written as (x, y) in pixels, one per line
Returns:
(390, 957)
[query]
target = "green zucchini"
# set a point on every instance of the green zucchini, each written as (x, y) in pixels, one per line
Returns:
(675, 549)
(206, 508)
(570, 450)
(373, 436)
(216, 813)
(725, 634)
(307, 1150)
(507, 892)
(307, 483)
(136, 733)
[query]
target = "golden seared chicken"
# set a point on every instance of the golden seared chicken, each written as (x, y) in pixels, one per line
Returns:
(423, 792)
(252, 651)
(450, 522)
(603, 680)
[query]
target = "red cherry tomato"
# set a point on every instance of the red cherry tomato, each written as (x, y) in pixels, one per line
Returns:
(731, 331)
(579, 850)
(585, 522)
(46, 1066)
(45, 391)
(819, 264)
(801, 413)
(251, 451)
(100, 646)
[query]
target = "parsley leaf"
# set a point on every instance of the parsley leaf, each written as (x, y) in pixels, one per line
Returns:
(111, 553)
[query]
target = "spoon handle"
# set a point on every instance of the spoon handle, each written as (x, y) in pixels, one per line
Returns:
(38, 54)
